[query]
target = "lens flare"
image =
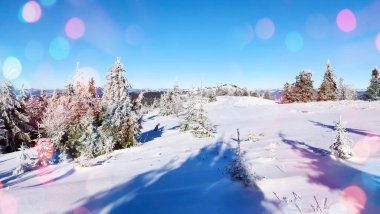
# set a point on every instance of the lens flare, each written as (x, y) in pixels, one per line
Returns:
(47, 3)
(317, 26)
(346, 20)
(12, 68)
(75, 28)
(134, 35)
(366, 147)
(378, 42)
(31, 12)
(34, 50)
(294, 41)
(265, 28)
(353, 198)
(81, 210)
(59, 48)
(8, 204)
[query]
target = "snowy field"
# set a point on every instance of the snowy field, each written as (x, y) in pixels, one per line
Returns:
(172, 172)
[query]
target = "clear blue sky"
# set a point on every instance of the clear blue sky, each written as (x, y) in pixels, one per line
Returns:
(190, 41)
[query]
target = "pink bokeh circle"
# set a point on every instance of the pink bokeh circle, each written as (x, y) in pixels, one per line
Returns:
(31, 12)
(346, 20)
(75, 28)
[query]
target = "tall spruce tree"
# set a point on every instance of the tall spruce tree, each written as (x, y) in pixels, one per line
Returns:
(303, 90)
(116, 106)
(373, 90)
(171, 102)
(287, 96)
(14, 117)
(328, 88)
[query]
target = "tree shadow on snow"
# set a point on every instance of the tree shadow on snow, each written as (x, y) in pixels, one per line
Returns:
(151, 134)
(350, 130)
(336, 175)
(198, 185)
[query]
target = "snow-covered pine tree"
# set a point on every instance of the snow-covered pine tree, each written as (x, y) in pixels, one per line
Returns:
(3, 135)
(303, 90)
(328, 88)
(267, 95)
(255, 93)
(171, 102)
(137, 108)
(345, 92)
(341, 147)
(93, 142)
(116, 106)
(287, 94)
(373, 90)
(16, 122)
(26, 163)
(196, 121)
(91, 88)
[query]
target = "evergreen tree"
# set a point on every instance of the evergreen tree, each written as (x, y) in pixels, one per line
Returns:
(328, 88)
(137, 109)
(255, 93)
(345, 92)
(287, 96)
(267, 95)
(373, 90)
(303, 90)
(26, 163)
(341, 148)
(196, 121)
(3, 135)
(116, 106)
(171, 102)
(92, 88)
(15, 119)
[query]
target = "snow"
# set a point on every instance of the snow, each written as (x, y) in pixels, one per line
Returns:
(173, 172)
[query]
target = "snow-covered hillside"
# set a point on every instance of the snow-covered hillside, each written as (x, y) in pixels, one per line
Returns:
(172, 172)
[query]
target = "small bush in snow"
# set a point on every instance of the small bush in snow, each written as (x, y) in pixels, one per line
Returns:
(341, 148)
(252, 137)
(240, 170)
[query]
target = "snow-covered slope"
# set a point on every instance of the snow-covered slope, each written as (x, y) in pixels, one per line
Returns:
(172, 172)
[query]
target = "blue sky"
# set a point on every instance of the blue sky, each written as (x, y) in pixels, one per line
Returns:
(193, 42)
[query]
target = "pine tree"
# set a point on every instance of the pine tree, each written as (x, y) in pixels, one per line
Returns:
(26, 163)
(328, 88)
(303, 90)
(255, 93)
(171, 102)
(92, 88)
(137, 109)
(341, 148)
(373, 90)
(287, 96)
(3, 135)
(116, 106)
(196, 121)
(13, 113)
(345, 92)
(93, 142)
(267, 95)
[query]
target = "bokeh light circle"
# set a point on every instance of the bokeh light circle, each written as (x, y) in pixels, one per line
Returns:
(366, 147)
(353, 199)
(34, 50)
(75, 28)
(8, 204)
(134, 35)
(59, 48)
(12, 68)
(265, 28)
(294, 41)
(346, 20)
(31, 12)
(47, 3)
(317, 26)
(377, 41)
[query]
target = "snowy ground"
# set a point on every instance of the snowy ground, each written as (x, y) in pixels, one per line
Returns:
(172, 172)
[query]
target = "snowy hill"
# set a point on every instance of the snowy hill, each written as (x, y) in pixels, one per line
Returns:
(172, 172)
